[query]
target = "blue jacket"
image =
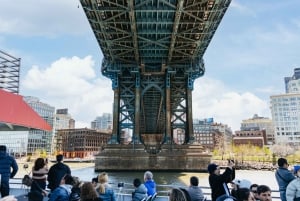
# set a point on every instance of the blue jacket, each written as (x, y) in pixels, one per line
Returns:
(283, 178)
(139, 193)
(6, 163)
(109, 194)
(151, 187)
(61, 193)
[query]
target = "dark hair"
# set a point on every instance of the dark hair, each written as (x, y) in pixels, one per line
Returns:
(262, 189)
(136, 182)
(194, 181)
(242, 193)
(95, 180)
(2, 148)
(88, 192)
(68, 179)
(39, 163)
(281, 162)
(59, 157)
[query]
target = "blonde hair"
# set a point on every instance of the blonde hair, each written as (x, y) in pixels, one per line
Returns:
(102, 179)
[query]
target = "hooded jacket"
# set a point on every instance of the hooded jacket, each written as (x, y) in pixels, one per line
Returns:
(151, 187)
(56, 173)
(139, 193)
(61, 193)
(6, 163)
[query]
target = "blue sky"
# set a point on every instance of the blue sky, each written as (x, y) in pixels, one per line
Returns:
(256, 45)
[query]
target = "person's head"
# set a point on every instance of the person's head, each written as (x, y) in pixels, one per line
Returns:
(88, 192)
(282, 162)
(264, 193)
(253, 189)
(39, 163)
(213, 169)
(137, 182)
(67, 179)
(59, 158)
(148, 176)
(244, 194)
(242, 183)
(77, 183)
(103, 178)
(194, 181)
(95, 181)
(3, 148)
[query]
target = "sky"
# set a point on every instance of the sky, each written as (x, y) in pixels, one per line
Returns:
(255, 46)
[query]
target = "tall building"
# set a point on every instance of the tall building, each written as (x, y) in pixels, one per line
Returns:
(260, 123)
(38, 139)
(103, 122)
(285, 110)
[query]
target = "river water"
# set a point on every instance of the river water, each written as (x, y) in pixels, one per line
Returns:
(178, 178)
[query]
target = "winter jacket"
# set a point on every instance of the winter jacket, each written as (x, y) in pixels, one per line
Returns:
(61, 193)
(195, 193)
(151, 187)
(139, 193)
(109, 194)
(56, 173)
(216, 182)
(293, 189)
(283, 177)
(6, 163)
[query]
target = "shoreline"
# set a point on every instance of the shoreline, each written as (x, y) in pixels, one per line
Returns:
(73, 166)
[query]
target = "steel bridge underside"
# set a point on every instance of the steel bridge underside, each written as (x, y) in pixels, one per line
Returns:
(153, 51)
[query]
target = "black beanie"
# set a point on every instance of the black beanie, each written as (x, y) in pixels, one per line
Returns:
(211, 168)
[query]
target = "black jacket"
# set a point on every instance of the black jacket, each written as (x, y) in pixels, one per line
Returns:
(56, 173)
(216, 182)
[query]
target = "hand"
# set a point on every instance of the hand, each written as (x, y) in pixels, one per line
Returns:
(9, 198)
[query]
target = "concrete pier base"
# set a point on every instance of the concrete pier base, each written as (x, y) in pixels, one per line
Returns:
(189, 158)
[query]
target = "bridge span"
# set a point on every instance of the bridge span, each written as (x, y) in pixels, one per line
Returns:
(153, 52)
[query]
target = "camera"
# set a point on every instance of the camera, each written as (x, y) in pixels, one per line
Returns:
(120, 185)
(230, 161)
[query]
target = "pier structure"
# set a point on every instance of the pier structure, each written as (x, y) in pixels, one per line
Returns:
(153, 52)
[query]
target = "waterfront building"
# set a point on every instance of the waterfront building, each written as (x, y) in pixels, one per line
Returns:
(17, 120)
(260, 123)
(39, 139)
(103, 122)
(210, 134)
(285, 109)
(81, 142)
(250, 136)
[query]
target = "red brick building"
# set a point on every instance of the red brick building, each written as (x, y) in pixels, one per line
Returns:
(251, 137)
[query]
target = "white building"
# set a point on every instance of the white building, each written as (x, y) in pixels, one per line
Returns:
(285, 110)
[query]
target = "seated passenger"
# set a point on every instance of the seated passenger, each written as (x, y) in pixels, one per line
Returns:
(106, 193)
(149, 183)
(88, 192)
(264, 193)
(194, 190)
(63, 191)
(140, 191)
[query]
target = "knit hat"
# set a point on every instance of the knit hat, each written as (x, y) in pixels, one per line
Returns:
(211, 168)
(2, 148)
(296, 168)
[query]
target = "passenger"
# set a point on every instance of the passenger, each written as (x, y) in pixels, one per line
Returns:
(88, 192)
(194, 190)
(244, 194)
(149, 183)
(75, 191)
(63, 191)
(140, 191)
(56, 172)
(283, 177)
(39, 177)
(106, 193)
(239, 183)
(292, 190)
(253, 189)
(6, 163)
(95, 181)
(217, 181)
(264, 193)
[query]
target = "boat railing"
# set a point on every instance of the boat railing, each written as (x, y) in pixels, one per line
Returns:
(124, 190)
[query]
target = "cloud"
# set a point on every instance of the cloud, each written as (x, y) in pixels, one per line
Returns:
(211, 98)
(71, 83)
